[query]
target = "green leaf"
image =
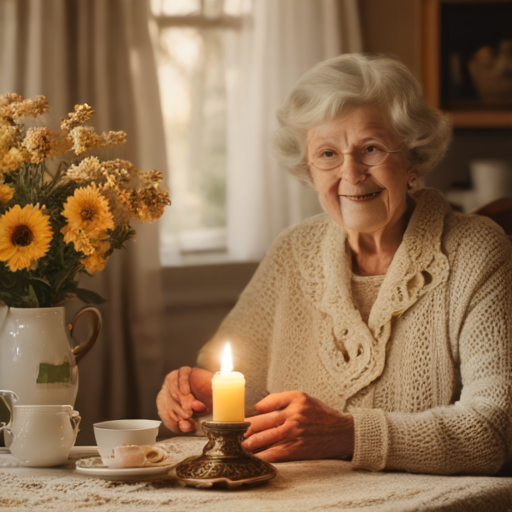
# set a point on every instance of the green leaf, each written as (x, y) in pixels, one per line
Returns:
(69, 287)
(31, 299)
(41, 280)
(89, 297)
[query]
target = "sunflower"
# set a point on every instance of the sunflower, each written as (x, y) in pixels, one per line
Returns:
(6, 194)
(25, 236)
(87, 210)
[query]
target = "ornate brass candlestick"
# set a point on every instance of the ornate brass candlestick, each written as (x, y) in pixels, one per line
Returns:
(224, 460)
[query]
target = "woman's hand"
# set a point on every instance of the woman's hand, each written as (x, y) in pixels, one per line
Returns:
(296, 426)
(184, 392)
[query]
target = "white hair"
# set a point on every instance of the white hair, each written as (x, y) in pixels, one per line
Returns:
(336, 86)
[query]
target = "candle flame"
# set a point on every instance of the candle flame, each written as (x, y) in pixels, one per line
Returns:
(227, 360)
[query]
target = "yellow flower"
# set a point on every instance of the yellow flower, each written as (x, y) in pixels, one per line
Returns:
(120, 173)
(11, 160)
(42, 143)
(9, 137)
(8, 98)
(81, 114)
(7, 101)
(31, 107)
(87, 210)
(80, 240)
(150, 203)
(94, 263)
(85, 138)
(6, 194)
(25, 236)
(88, 170)
(13, 107)
(94, 250)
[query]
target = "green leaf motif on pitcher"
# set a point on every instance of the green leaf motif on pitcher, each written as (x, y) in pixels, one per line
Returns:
(54, 373)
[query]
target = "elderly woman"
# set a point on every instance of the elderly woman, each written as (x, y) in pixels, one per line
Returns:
(379, 331)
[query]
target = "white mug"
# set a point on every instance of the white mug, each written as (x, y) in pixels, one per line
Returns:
(40, 435)
(492, 179)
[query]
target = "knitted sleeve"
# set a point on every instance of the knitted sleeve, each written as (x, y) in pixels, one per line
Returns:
(248, 327)
(474, 434)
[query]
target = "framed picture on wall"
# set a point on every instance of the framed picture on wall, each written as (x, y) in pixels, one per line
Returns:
(467, 60)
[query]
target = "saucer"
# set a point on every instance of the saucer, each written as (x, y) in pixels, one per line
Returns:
(94, 467)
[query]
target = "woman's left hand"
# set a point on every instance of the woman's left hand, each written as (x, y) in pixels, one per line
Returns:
(296, 426)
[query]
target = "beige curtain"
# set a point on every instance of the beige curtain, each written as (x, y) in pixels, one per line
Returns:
(99, 52)
(281, 40)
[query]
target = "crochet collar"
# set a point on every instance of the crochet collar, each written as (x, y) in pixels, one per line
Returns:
(352, 352)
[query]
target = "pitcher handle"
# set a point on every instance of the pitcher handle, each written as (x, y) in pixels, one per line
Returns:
(80, 350)
(75, 419)
(9, 398)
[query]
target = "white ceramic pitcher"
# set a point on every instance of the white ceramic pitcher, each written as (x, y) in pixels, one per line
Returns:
(37, 360)
(40, 435)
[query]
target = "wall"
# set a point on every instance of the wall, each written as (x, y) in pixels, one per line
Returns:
(394, 26)
(197, 300)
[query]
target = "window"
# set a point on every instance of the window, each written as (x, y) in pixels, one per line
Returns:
(193, 72)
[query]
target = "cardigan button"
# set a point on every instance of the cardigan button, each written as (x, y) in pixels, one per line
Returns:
(344, 332)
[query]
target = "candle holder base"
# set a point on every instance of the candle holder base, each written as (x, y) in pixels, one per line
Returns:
(224, 461)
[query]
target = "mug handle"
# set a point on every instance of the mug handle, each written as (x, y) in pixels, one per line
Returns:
(80, 350)
(9, 398)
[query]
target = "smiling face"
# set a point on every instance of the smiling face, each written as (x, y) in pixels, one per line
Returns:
(359, 197)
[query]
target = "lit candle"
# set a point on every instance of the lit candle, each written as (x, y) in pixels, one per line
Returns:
(228, 391)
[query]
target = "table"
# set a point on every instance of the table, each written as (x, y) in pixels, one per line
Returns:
(300, 486)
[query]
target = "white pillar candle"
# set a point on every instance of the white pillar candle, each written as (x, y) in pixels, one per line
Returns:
(228, 391)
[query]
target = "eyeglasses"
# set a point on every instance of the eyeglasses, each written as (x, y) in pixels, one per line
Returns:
(370, 156)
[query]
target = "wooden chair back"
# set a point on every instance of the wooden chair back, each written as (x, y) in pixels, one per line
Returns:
(500, 211)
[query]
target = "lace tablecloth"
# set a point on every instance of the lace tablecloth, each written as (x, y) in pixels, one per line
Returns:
(299, 486)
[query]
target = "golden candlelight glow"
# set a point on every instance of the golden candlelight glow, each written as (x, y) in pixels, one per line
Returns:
(227, 360)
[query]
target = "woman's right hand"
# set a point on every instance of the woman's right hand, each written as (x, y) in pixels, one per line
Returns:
(184, 392)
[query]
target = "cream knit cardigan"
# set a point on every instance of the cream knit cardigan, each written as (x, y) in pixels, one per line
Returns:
(429, 379)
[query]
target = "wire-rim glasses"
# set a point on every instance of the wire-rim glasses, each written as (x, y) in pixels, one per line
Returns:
(370, 156)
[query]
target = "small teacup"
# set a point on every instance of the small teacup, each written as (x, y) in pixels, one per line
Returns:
(40, 435)
(111, 434)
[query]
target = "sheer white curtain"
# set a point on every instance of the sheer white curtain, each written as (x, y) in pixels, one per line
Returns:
(283, 39)
(100, 52)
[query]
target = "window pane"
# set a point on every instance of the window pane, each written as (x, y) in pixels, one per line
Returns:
(212, 8)
(237, 7)
(191, 75)
(156, 7)
(179, 7)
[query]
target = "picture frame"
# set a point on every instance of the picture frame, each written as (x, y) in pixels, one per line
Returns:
(467, 60)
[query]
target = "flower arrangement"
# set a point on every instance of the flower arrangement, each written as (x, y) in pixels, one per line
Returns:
(55, 224)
